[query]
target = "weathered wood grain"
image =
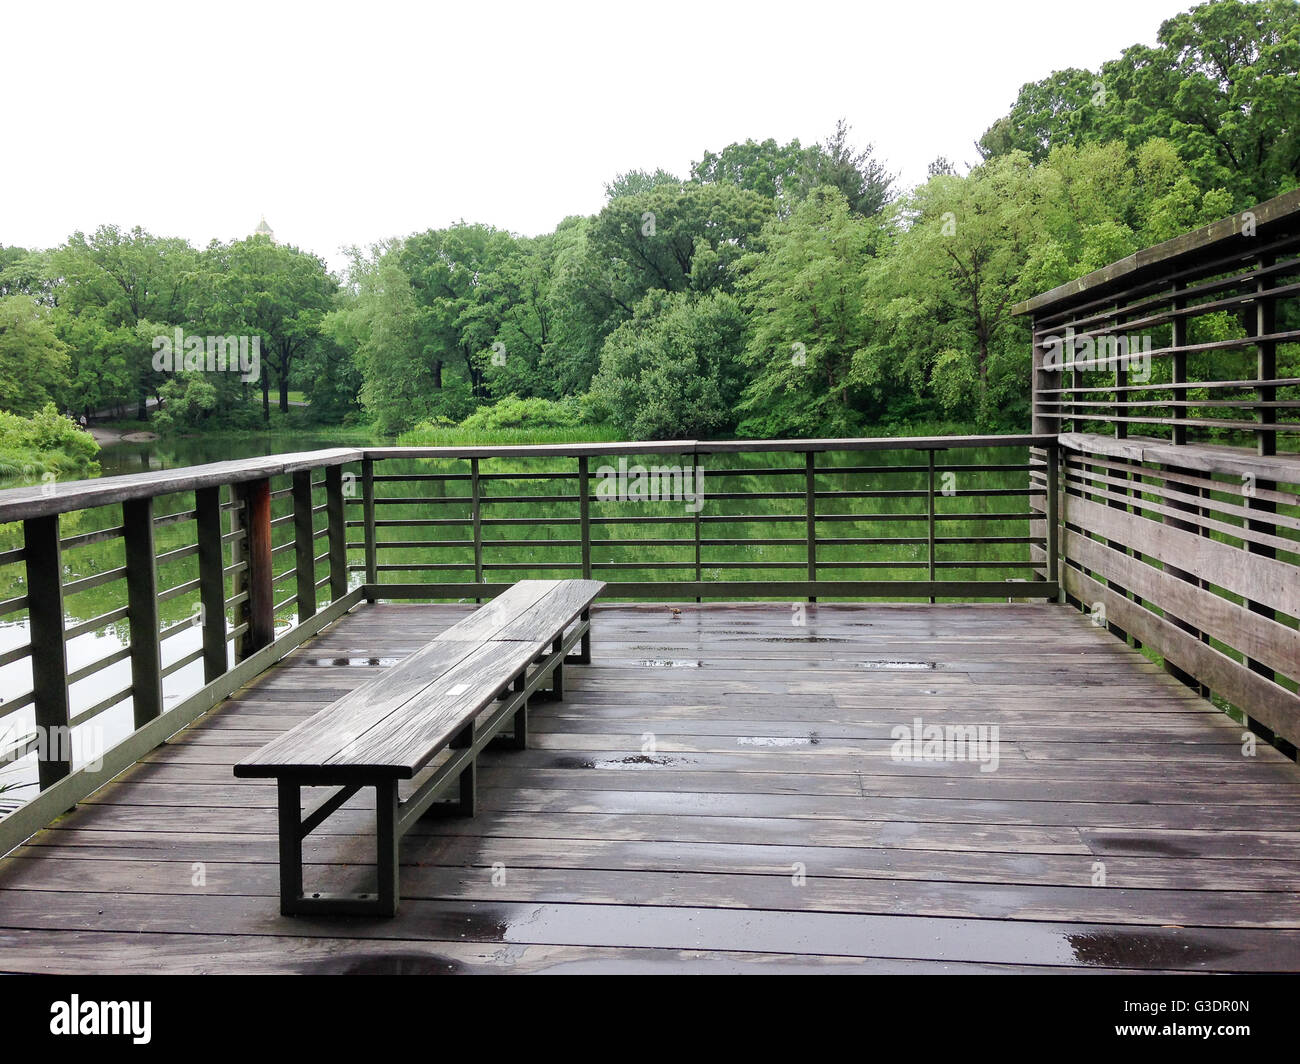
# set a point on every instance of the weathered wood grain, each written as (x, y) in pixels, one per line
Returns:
(681, 855)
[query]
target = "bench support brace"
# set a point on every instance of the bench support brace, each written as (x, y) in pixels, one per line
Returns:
(294, 827)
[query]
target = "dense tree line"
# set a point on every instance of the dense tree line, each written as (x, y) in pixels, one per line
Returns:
(779, 289)
(79, 326)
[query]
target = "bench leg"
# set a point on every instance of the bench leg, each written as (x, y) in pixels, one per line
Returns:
(469, 774)
(467, 781)
(290, 795)
(556, 692)
(583, 657)
(468, 790)
(386, 845)
(518, 739)
(521, 716)
(293, 902)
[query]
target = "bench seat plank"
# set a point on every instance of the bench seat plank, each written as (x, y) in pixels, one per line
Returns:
(323, 734)
(395, 724)
(492, 616)
(410, 738)
(556, 610)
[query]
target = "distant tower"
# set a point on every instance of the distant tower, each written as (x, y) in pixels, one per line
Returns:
(264, 230)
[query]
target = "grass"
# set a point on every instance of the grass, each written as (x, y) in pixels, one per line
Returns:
(339, 433)
(455, 436)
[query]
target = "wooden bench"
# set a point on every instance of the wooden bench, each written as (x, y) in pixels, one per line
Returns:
(451, 696)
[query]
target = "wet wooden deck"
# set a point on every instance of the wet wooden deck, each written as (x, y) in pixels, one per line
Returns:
(772, 753)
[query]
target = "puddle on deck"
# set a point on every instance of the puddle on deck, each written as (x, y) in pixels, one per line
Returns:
(633, 761)
(939, 939)
(356, 662)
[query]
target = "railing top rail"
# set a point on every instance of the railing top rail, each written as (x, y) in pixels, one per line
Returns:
(577, 450)
(1207, 458)
(1206, 242)
(17, 504)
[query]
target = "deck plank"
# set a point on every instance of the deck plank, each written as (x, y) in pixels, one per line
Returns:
(664, 808)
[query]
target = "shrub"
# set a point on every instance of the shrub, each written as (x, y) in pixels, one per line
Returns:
(46, 442)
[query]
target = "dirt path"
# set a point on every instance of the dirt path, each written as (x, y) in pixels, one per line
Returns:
(106, 437)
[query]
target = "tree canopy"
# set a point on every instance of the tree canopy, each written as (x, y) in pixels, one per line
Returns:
(780, 289)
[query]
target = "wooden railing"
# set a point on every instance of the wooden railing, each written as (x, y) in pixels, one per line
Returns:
(1196, 556)
(1181, 341)
(1180, 491)
(205, 576)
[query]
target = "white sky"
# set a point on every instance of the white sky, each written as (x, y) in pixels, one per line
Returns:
(350, 123)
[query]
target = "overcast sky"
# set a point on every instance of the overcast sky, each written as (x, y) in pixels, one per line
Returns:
(349, 123)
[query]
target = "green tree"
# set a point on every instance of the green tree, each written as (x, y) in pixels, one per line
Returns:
(1220, 84)
(187, 400)
(962, 251)
(26, 273)
(804, 294)
(378, 320)
(673, 370)
(458, 311)
(786, 173)
(634, 182)
(33, 360)
(674, 238)
(120, 280)
(521, 307)
(942, 289)
(254, 286)
(772, 170)
(860, 177)
(1066, 107)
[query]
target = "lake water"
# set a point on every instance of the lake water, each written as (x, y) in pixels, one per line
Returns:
(18, 779)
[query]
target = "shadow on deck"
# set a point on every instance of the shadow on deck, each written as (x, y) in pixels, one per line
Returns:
(717, 793)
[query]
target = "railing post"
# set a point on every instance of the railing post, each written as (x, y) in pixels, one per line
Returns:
(1121, 382)
(142, 610)
(1265, 444)
(584, 515)
(212, 582)
(1175, 503)
(1051, 542)
(929, 516)
(810, 514)
(239, 565)
(1266, 359)
(304, 544)
(476, 520)
(699, 531)
(368, 508)
(1178, 365)
(256, 498)
(336, 517)
(1038, 382)
(49, 652)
